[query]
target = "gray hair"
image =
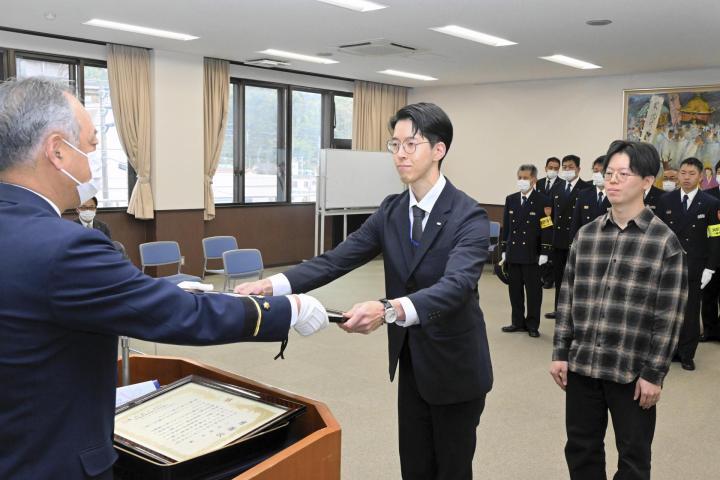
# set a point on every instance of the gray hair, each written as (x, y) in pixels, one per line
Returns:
(528, 167)
(30, 110)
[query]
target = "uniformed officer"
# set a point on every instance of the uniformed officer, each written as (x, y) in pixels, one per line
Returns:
(693, 216)
(545, 186)
(525, 246)
(563, 203)
(591, 202)
(711, 293)
(652, 195)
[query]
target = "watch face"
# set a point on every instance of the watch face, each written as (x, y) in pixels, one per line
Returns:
(390, 315)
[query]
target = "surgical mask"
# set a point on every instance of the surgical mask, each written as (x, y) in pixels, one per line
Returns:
(717, 178)
(87, 216)
(523, 185)
(567, 175)
(668, 185)
(598, 179)
(551, 174)
(86, 190)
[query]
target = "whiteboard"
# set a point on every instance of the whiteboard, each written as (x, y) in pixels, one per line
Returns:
(355, 179)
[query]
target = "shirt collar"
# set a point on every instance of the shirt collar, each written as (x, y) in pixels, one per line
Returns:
(86, 224)
(428, 201)
(597, 190)
(55, 207)
(642, 220)
(691, 195)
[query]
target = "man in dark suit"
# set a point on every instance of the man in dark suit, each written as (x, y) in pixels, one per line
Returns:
(86, 217)
(563, 204)
(525, 248)
(67, 295)
(545, 186)
(434, 240)
(693, 215)
(591, 202)
(652, 195)
(711, 293)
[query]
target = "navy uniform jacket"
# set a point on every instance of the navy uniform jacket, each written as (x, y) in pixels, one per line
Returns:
(562, 211)
(524, 239)
(98, 225)
(692, 229)
(540, 185)
(653, 196)
(587, 209)
(713, 192)
(66, 295)
(449, 347)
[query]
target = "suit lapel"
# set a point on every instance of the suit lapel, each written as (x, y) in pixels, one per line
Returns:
(695, 206)
(435, 223)
(401, 219)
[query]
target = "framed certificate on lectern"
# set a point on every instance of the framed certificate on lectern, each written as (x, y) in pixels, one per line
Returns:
(194, 416)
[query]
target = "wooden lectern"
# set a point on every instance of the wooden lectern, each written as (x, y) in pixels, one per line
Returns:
(316, 453)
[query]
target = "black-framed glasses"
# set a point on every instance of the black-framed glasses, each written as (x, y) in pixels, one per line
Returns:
(409, 145)
(622, 175)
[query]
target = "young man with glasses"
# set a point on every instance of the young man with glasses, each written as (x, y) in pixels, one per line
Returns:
(86, 217)
(618, 321)
(434, 240)
(693, 215)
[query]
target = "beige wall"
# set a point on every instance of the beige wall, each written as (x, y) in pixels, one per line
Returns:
(499, 126)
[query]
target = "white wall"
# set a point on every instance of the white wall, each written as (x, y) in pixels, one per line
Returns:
(497, 127)
(178, 144)
(34, 43)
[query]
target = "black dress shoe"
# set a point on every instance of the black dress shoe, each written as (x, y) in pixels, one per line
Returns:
(708, 338)
(550, 315)
(533, 333)
(688, 365)
(512, 329)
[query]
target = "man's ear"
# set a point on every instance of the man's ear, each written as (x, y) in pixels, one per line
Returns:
(53, 152)
(439, 151)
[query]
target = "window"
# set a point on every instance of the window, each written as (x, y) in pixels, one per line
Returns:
(273, 140)
(113, 177)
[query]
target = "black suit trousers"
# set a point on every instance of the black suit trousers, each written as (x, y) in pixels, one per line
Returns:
(525, 283)
(560, 257)
(587, 401)
(437, 442)
(690, 330)
(710, 301)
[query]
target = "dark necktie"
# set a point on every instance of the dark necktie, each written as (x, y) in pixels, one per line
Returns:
(417, 230)
(685, 203)
(523, 200)
(568, 187)
(548, 185)
(600, 200)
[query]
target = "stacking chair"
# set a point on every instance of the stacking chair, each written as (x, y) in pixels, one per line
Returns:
(153, 254)
(213, 249)
(241, 263)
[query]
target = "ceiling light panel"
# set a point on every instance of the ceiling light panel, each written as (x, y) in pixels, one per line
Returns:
(571, 62)
(126, 27)
(414, 76)
(356, 5)
(473, 35)
(298, 56)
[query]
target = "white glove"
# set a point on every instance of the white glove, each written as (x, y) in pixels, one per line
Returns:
(706, 277)
(502, 258)
(542, 260)
(203, 287)
(311, 317)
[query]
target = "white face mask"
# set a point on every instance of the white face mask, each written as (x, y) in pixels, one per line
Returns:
(598, 179)
(87, 216)
(717, 178)
(523, 185)
(86, 190)
(567, 175)
(551, 174)
(668, 185)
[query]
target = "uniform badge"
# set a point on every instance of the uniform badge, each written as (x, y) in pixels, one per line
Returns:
(586, 207)
(702, 215)
(532, 213)
(511, 212)
(266, 305)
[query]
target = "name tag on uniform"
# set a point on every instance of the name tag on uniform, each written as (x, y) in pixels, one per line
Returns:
(702, 215)
(668, 212)
(532, 213)
(546, 222)
(511, 212)
(713, 231)
(586, 207)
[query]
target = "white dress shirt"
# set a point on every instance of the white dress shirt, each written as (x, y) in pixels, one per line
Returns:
(281, 285)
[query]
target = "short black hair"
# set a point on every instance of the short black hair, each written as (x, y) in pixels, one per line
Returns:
(528, 167)
(572, 158)
(552, 159)
(428, 120)
(694, 162)
(600, 161)
(94, 199)
(644, 159)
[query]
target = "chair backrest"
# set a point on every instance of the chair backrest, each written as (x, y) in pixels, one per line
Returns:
(242, 262)
(494, 229)
(214, 247)
(153, 254)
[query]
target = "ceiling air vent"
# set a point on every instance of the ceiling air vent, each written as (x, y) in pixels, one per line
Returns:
(376, 48)
(267, 63)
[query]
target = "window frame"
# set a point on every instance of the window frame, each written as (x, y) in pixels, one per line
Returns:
(8, 69)
(285, 133)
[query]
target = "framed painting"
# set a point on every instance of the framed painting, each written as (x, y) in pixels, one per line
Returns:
(680, 122)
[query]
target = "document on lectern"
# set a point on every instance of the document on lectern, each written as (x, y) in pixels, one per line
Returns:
(194, 416)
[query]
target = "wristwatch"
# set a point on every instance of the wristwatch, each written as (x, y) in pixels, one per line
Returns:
(390, 313)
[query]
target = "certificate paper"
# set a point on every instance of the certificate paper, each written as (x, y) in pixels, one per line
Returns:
(192, 419)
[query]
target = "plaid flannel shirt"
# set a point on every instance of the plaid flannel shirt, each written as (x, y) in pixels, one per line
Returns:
(622, 300)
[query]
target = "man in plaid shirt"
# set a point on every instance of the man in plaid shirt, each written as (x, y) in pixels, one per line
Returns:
(618, 321)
